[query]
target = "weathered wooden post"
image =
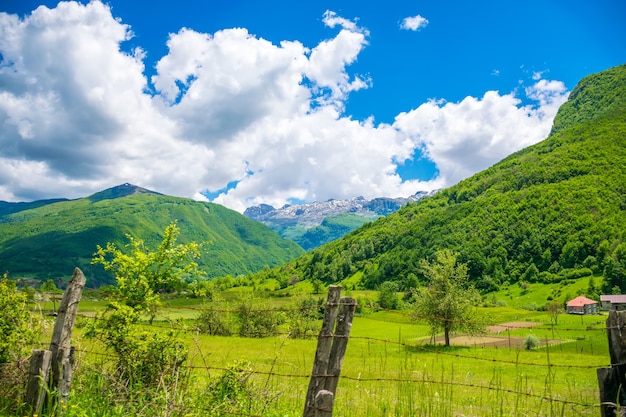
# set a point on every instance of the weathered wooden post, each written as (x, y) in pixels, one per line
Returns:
(60, 345)
(57, 369)
(340, 342)
(38, 379)
(331, 347)
(324, 401)
(612, 381)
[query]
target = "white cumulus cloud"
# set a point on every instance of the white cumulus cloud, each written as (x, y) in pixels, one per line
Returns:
(414, 23)
(475, 133)
(264, 122)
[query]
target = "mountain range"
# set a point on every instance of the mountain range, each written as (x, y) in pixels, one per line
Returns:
(314, 224)
(47, 239)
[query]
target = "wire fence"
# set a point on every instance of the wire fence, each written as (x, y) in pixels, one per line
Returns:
(559, 387)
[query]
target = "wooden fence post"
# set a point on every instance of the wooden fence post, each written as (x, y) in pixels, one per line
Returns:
(331, 347)
(38, 373)
(59, 366)
(60, 344)
(612, 381)
(324, 401)
(340, 342)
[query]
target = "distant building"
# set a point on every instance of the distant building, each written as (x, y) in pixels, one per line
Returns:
(582, 305)
(613, 302)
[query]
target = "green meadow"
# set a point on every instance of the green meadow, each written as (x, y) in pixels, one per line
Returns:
(391, 368)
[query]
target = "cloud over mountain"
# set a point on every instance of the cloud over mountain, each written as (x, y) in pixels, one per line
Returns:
(231, 111)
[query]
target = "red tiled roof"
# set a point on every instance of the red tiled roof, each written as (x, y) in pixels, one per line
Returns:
(580, 302)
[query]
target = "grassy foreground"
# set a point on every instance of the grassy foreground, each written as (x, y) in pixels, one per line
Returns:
(390, 369)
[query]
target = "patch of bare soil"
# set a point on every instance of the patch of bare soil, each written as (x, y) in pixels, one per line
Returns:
(512, 325)
(498, 338)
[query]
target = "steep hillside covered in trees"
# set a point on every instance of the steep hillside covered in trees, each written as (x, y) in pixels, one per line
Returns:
(552, 211)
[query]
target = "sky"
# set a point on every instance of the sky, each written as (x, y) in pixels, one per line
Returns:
(282, 102)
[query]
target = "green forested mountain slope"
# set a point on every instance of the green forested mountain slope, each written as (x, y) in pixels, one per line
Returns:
(49, 241)
(551, 211)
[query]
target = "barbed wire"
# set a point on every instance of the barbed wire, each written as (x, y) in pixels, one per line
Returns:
(423, 348)
(321, 304)
(360, 378)
(178, 326)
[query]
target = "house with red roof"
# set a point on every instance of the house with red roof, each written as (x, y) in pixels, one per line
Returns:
(613, 302)
(582, 305)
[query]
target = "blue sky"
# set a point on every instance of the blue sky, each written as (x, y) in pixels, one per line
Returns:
(249, 102)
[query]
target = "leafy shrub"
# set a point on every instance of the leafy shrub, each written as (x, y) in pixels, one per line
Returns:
(233, 392)
(216, 320)
(254, 319)
(532, 306)
(144, 359)
(575, 273)
(13, 379)
(18, 328)
(202, 289)
(365, 305)
(531, 342)
(303, 321)
(19, 331)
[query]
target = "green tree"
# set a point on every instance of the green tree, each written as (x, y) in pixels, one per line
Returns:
(446, 303)
(531, 274)
(143, 274)
(216, 319)
(554, 308)
(592, 290)
(531, 342)
(49, 286)
(387, 297)
(318, 286)
(254, 319)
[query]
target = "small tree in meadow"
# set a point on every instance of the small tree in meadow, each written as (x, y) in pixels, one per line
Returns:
(255, 319)
(447, 302)
(303, 321)
(49, 286)
(216, 319)
(554, 308)
(318, 286)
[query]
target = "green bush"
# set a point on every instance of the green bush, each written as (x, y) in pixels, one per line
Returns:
(387, 297)
(303, 320)
(233, 393)
(531, 342)
(216, 320)
(143, 359)
(19, 330)
(254, 319)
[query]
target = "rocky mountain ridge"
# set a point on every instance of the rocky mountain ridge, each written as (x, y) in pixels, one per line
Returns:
(314, 224)
(313, 214)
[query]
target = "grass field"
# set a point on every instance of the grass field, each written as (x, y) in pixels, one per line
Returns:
(390, 368)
